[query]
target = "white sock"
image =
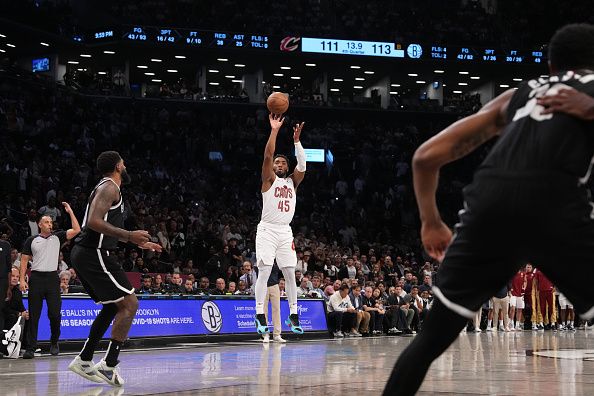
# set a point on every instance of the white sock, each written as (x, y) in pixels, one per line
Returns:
(490, 323)
(291, 287)
(501, 323)
(262, 287)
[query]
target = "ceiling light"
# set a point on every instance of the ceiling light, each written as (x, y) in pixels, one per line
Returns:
(44, 44)
(239, 65)
(421, 82)
(109, 52)
(438, 71)
(357, 87)
(263, 82)
(355, 67)
(229, 76)
(142, 67)
(171, 71)
(285, 68)
(156, 80)
(338, 79)
(1, 50)
(393, 93)
(295, 78)
(213, 71)
(73, 62)
(463, 72)
(413, 75)
(394, 85)
(149, 74)
(237, 81)
(368, 72)
(334, 89)
(276, 86)
(180, 57)
(11, 45)
(81, 69)
(462, 83)
(278, 74)
(457, 92)
(85, 56)
(310, 64)
(1, 35)
(517, 79)
(222, 59)
(156, 60)
(475, 78)
(213, 83)
(102, 73)
(503, 85)
(444, 85)
(359, 79)
(543, 76)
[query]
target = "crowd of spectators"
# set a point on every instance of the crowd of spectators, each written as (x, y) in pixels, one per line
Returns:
(356, 219)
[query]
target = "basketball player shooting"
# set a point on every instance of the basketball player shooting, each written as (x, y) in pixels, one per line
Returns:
(528, 201)
(274, 237)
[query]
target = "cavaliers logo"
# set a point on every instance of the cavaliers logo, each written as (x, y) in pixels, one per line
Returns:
(290, 44)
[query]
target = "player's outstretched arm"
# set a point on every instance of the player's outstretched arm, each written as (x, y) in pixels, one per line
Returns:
(106, 194)
(452, 143)
(299, 172)
(267, 171)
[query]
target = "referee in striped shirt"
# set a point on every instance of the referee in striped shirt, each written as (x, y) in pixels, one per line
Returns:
(44, 249)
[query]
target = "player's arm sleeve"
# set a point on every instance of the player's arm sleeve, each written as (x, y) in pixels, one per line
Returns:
(301, 158)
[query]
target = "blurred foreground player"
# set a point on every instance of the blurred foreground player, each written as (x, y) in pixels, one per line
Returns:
(527, 202)
(274, 237)
(101, 275)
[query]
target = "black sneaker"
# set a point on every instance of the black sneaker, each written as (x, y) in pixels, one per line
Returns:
(29, 354)
(54, 349)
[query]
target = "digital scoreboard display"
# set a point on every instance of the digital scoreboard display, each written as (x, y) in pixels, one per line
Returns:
(351, 47)
(196, 38)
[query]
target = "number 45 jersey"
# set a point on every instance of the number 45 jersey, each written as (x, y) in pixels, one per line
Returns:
(536, 142)
(278, 203)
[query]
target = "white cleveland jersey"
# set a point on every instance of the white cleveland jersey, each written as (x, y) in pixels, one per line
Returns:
(278, 203)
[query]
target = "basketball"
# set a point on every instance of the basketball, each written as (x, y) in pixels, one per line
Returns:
(278, 103)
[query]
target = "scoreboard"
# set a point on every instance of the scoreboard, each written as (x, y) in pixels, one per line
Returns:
(194, 38)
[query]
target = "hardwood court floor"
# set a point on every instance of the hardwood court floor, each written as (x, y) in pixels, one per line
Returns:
(524, 363)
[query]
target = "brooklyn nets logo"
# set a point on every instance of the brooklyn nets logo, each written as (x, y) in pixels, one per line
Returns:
(211, 317)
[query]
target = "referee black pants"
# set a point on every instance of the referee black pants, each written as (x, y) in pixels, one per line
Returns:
(44, 285)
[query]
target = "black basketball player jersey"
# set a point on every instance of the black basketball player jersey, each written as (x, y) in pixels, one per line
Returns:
(115, 217)
(535, 142)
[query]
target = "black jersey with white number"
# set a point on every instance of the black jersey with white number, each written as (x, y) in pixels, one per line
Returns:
(533, 142)
(115, 217)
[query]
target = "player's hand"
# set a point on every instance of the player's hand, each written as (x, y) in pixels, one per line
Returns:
(276, 122)
(570, 101)
(23, 285)
(151, 246)
(25, 315)
(139, 237)
(436, 238)
(67, 207)
(297, 131)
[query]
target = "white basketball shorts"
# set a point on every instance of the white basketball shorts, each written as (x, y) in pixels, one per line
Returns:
(517, 302)
(275, 241)
(564, 302)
